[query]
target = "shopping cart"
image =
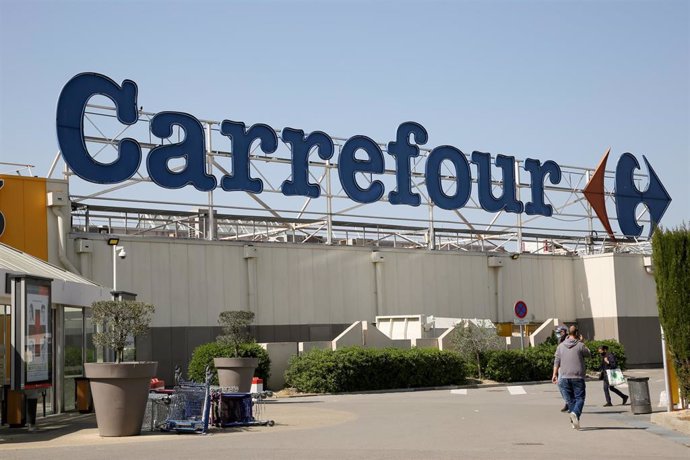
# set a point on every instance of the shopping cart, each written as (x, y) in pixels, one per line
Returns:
(157, 411)
(190, 406)
(237, 409)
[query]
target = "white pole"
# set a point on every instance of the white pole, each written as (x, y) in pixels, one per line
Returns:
(114, 267)
(329, 205)
(522, 337)
(519, 215)
(210, 234)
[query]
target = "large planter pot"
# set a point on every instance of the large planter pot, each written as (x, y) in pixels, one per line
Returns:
(236, 372)
(120, 391)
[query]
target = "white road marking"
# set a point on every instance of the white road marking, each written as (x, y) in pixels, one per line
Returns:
(462, 391)
(517, 390)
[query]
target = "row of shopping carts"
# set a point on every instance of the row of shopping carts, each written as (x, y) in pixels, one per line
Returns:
(192, 407)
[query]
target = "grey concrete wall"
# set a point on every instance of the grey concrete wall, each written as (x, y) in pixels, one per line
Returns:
(313, 292)
(192, 281)
(641, 336)
(280, 354)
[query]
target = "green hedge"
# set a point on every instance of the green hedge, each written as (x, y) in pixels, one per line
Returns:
(532, 364)
(508, 366)
(541, 361)
(203, 356)
(363, 369)
(671, 258)
(536, 363)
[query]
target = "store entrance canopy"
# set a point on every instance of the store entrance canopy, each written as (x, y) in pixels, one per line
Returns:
(67, 288)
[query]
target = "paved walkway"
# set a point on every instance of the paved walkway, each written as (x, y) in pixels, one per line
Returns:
(515, 421)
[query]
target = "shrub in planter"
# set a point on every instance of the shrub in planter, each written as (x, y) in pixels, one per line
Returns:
(203, 356)
(235, 370)
(120, 389)
(362, 369)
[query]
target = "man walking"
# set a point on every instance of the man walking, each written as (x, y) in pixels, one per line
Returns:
(570, 360)
(562, 332)
(608, 361)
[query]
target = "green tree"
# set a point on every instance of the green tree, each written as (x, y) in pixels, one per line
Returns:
(235, 326)
(471, 341)
(120, 319)
(671, 261)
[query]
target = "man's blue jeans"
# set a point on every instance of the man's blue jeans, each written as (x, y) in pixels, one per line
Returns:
(574, 392)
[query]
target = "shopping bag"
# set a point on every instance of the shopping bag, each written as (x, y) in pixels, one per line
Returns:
(615, 376)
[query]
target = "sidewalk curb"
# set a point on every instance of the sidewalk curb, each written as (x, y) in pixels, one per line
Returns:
(411, 390)
(472, 386)
(678, 421)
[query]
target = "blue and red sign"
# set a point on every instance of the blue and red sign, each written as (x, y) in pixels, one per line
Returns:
(520, 309)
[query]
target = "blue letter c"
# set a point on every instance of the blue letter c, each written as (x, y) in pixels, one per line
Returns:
(70, 127)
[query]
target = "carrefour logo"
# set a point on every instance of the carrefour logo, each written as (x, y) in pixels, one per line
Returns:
(627, 196)
(410, 135)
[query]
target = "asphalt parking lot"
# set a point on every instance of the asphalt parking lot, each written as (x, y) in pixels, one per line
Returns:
(510, 421)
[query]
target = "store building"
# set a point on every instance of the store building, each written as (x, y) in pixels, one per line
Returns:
(311, 243)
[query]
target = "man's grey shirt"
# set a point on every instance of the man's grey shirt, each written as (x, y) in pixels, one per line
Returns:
(570, 359)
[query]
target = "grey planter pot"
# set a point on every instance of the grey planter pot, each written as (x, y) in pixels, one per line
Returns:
(236, 372)
(120, 392)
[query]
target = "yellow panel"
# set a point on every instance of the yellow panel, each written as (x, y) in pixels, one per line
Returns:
(23, 205)
(672, 378)
(504, 329)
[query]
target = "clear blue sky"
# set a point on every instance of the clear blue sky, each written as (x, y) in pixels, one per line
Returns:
(560, 80)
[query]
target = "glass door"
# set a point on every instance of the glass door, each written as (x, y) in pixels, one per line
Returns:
(4, 345)
(74, 353)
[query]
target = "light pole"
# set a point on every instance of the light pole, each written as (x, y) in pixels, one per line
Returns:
(118, 251)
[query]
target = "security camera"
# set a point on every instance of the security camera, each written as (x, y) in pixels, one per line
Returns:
(122, 254)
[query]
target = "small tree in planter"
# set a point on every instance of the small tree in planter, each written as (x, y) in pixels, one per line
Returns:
(235, 326)
(120, 389)
(235, 371)
(120, 320)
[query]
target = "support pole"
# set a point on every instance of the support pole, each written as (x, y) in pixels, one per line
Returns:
(519, 215)
(114, 267)
(377, 258)
(211, 231)
(667, 383)
(329, 205)
(431, 244)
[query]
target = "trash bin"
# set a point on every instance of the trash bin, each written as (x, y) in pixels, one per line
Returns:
(16, 415)
(640, 402)
(82, 396)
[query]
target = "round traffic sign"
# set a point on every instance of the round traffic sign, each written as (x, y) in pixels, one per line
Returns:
(520, 309)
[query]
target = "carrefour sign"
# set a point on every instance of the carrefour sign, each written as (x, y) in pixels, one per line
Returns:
(70, 132)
